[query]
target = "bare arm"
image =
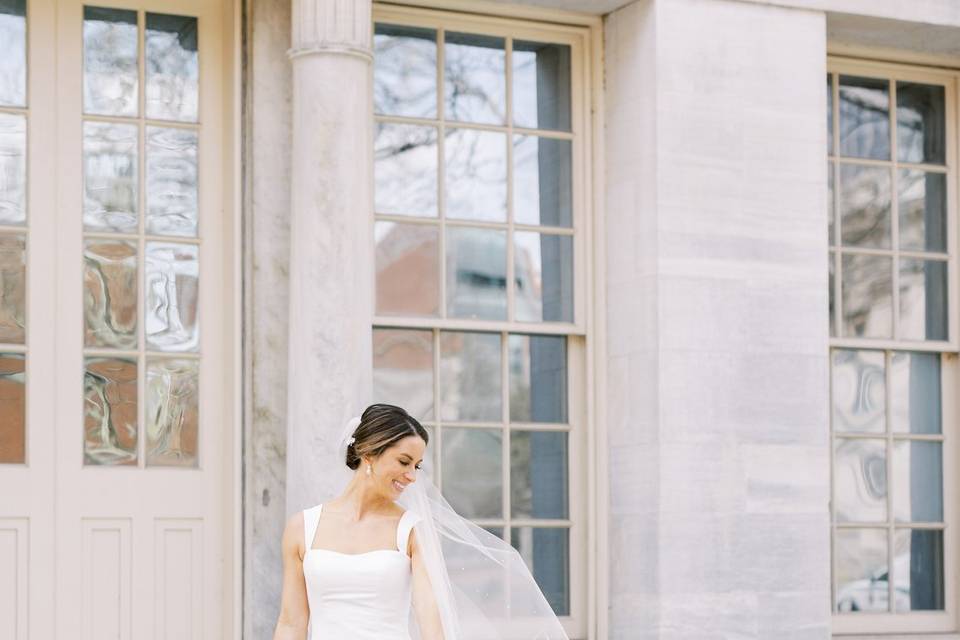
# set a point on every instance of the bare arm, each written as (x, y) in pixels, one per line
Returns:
(294, 609)
(424, 602)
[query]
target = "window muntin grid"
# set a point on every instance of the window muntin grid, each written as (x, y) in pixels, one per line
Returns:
(14, 232)
(141, 244)
(891, 509)
(474, 269)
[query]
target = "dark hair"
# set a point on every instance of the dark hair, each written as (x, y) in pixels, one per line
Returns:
(381, 427)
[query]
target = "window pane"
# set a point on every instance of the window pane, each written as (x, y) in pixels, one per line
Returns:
(921, 123)
(408, 269)
(538, 379)
(543, 266)
(923, 299)
(13, 288)
(476, 264)
(917, 481)
(915, 405)
(474, 75)
(172, 68)
(172, 280)
(831, 267)
(829, 114)
(473, 471)
(865, 206)
(867, 292)
(172, 412)
(110, 74)
(541, 85)
(864, 118)
(405, 71)
(859, 391)
(538, 474)
(110, 411)
(405, 170)
(476, 175)
(13, 169)
(922, 198)
(918, 565)
(860, 480)
(831, 210)
(12, 408)
(110, 294)
(110, 177)
(862, 571)
(172, 182)
(547, 553)
(542, 181)
(470, 376)
(403, 370)
(13, 53)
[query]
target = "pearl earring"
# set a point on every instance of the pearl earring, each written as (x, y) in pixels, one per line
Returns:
(369, 470)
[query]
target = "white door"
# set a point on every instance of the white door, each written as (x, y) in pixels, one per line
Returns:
(117, 520)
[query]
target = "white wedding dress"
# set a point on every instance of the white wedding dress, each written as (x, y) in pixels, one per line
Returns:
(358, 596)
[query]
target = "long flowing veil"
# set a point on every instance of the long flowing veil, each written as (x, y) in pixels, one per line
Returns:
(483, 589)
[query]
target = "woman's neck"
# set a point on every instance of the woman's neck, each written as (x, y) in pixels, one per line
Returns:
(360, 498)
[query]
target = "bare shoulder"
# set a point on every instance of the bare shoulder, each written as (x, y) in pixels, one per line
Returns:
(293, 532)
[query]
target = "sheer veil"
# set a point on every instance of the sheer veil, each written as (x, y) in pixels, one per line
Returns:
(483, 589)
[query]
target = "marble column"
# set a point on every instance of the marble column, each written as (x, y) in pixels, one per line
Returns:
(331, 246)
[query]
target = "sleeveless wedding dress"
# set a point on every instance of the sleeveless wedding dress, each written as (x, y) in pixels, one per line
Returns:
(360, 596)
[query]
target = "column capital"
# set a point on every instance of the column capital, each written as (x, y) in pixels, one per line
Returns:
(339, 27)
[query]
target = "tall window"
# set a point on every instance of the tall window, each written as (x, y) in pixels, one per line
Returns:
(892, 170)
(480, 312)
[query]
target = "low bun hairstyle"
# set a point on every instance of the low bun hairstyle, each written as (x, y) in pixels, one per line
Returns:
(381, 426)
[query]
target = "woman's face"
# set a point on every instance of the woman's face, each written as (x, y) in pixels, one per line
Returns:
(398, 466)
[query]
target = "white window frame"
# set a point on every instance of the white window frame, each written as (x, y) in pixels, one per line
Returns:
(581, 36)
(919, 622)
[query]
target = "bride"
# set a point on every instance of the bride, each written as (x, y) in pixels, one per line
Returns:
(352, 567)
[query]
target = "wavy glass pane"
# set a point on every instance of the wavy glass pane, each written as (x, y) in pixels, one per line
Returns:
(13, 53)
(171, 309)
(923, 299)
(921, 123)
(13, 434)
(538, 378)
(918, 570)
(865, 118)
(865, 205)
(171, 182)
(860, 480)
(862, 573)
(538, 474)
(831, 206)
(475, 165)
(547, 554)
(408, 269)
(922, 200)
(110, 411)
(474, 78)
(403, 370)
(541, 85)
(405, 170)
(829, 114)
(915, 400)
(542, 181)
(917, 481)
(110, 294)
(867, 292)
(13, 288)
(110, 74)
(172, 412)
(543, 275)
(476, 264)
(405, 71)
(110, 177)
(858, 386)
(831, 267)
(472, 464)
(172, 67)
(470, 376)
(13, 169)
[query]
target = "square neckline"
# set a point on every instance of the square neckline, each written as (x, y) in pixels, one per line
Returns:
(396, 535)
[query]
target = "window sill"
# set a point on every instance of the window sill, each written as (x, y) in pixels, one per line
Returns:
(896, 636)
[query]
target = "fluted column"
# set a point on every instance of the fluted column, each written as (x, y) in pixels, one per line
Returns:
(331, 251)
